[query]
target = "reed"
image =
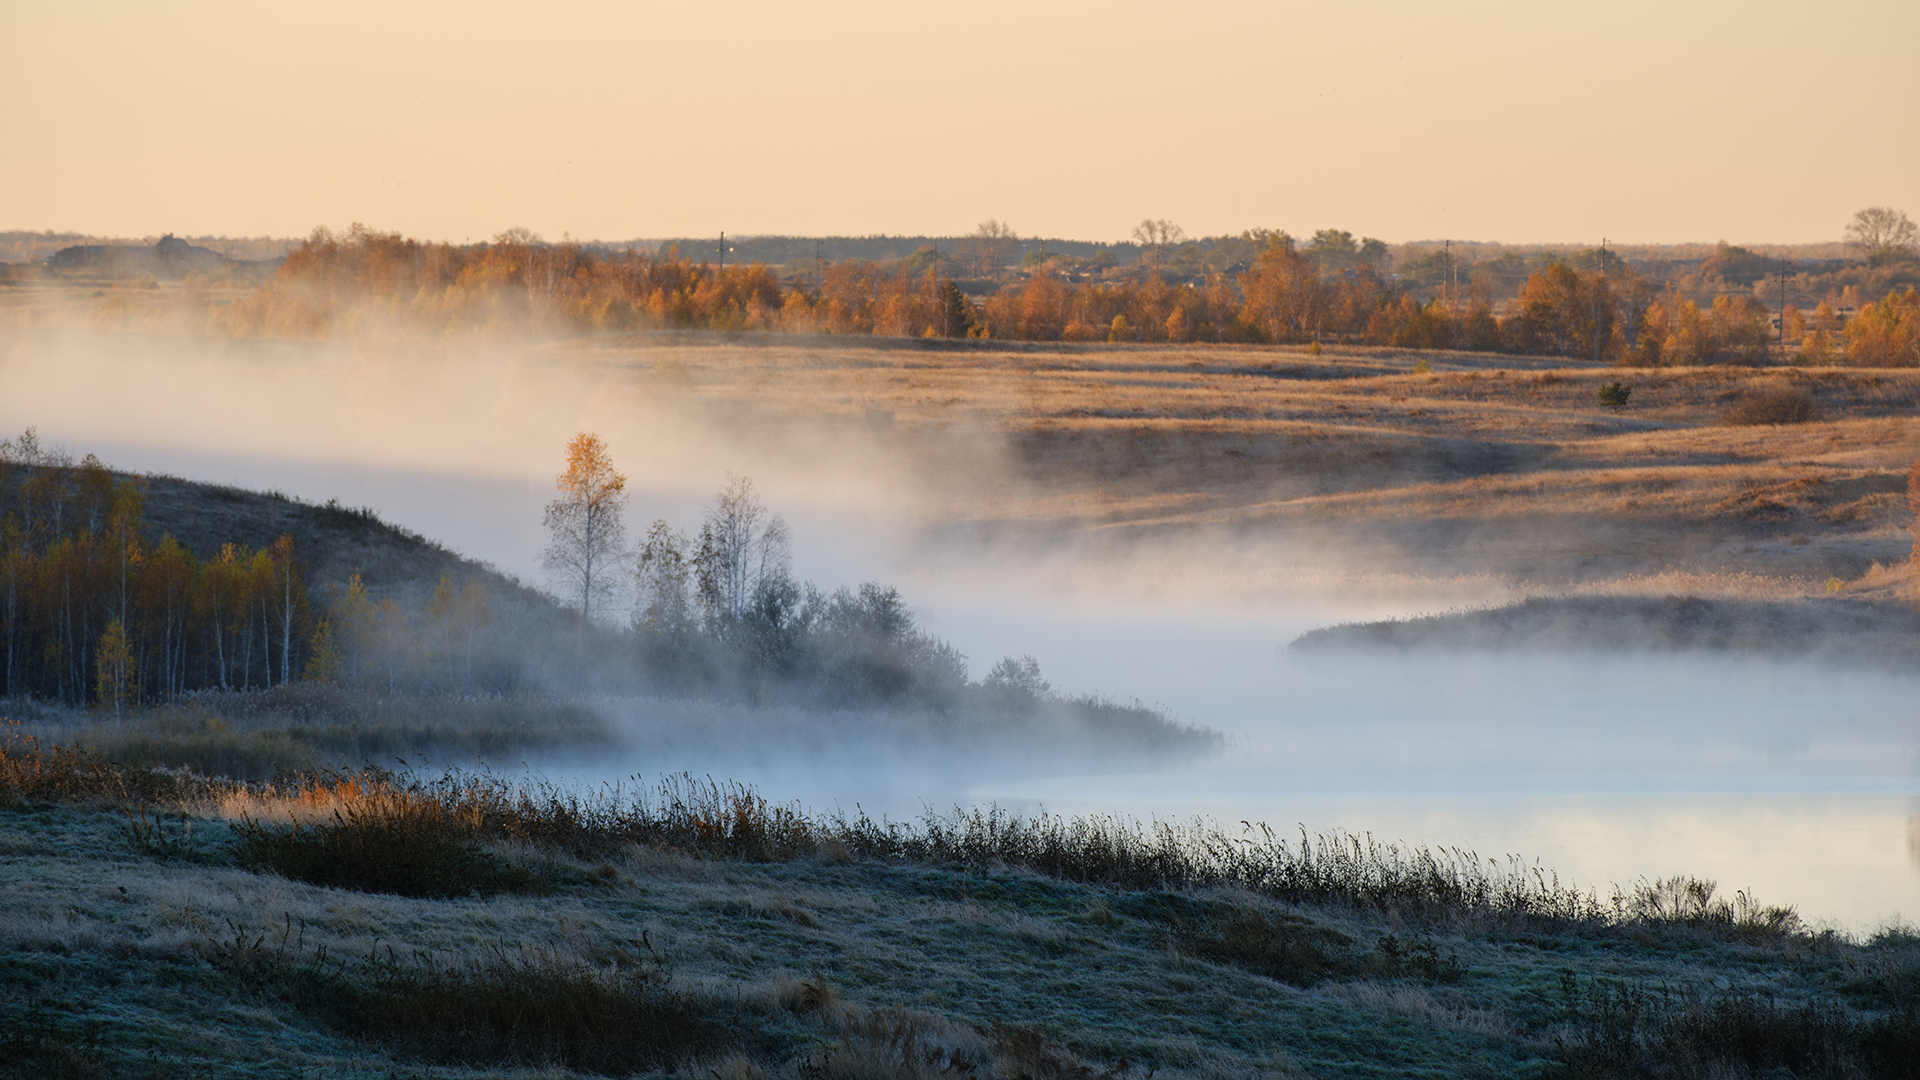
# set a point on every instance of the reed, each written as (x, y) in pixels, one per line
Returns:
(425, 835)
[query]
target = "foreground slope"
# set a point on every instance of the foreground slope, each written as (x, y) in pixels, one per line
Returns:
(360, 926)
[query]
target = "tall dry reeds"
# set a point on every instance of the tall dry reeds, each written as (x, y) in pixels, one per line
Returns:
(420, 835)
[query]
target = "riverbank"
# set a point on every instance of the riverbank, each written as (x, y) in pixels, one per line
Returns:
(373, 925)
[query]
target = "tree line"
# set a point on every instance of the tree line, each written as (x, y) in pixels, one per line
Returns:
(718, 611)
(1592, 306)
(95, 613)
(91, 613)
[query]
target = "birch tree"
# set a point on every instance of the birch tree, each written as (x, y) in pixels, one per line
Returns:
(586, 529)
(742, 547)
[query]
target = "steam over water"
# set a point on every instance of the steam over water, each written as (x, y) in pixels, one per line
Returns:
(1798, 783)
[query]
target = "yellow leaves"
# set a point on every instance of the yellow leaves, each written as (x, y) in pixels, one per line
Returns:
(590, 477)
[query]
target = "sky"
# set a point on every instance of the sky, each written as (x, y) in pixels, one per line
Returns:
(1635, 121)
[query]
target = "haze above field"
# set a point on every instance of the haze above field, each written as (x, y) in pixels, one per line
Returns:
(1637, 122)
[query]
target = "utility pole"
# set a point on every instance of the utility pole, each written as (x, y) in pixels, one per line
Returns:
(722, 248)
(1599, 343)
(1446, 278)
(946, 321)
(1783, 309)
(819, 267)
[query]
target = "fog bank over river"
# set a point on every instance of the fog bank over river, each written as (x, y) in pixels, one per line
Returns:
(1794, 781)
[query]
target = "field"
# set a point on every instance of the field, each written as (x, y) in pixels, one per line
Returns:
(365, 924)
(1474, 478)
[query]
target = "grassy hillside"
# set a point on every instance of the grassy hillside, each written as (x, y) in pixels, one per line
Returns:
(829, 673)
(335, 541)
(367, 925)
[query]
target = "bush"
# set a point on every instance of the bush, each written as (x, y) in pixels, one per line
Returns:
(528, 1007)
(1781, 403)
(1614, 395)
(384, 839)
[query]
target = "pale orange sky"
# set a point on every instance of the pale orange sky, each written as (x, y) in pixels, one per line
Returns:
(1635, 120)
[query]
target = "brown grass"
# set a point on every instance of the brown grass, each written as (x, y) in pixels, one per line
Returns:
(1778, 404)
(1483, 465)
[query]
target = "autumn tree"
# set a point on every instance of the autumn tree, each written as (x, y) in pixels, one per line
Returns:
(114, 669)
(354, 611)
(1563, 313)
(1284, 298)
(586, 528)
(391, 641)
(324, 663)
(663, 579)
(1886, 334)
(440, 623)
(470, 613)
(1881, 234)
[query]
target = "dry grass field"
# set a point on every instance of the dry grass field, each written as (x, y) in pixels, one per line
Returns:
(367, 925)
(1429, 465)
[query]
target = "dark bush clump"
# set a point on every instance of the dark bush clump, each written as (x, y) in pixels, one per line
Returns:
(1634, 1031)
(528, 1007)
(1287, 948)
(1614, 395)
(1778, 404)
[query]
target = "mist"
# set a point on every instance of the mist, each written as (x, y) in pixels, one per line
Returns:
(1794, 781)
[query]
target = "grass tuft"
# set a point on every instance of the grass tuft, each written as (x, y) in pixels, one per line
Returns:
(1690, 902)
(33, 773)
(1637, 1031)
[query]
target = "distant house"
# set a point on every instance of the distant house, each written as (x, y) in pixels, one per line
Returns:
(170, 257)
(1841, 316)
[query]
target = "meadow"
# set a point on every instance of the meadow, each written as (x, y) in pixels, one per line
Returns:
(218, 885)
(1472, 476)
(372, 923)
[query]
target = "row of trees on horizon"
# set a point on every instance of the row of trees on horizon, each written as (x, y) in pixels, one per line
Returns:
(1591, 306)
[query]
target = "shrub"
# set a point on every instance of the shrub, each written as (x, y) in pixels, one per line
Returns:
(384, 839)
(532, 1007)
(31, 773)
(1614, 395)
(1782, 403)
